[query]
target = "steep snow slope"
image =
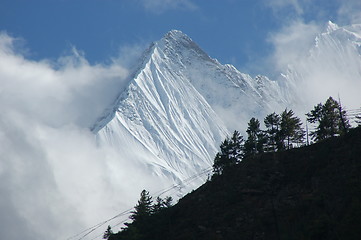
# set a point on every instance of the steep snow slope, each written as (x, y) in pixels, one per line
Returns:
(172, 115)
(164, 120)
(235, 96)
(332, 67)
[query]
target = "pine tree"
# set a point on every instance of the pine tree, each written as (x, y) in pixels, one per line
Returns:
(256, 138)
(330, 118)
(236, 143)
(230, 154)
(272, 123)
(158, 206)
(291, 131)
(168, 202)
(143, 209)
(161, 204)
(221, 160)
(108, 232)
(358, 120)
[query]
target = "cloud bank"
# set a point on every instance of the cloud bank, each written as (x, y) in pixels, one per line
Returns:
(349, 11)
(54, 179)
(67, 91)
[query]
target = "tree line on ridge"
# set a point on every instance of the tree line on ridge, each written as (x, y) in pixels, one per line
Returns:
(283, 131)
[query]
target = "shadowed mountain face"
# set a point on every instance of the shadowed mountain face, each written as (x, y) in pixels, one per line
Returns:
(312, 192)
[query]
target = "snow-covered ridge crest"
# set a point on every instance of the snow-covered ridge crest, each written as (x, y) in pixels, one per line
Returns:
(331, 27)
(172, 45)
(229, 92)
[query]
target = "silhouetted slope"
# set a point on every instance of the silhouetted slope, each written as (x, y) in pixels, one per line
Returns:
(312, 192)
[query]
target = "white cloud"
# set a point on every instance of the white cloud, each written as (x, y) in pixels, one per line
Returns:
(343, 11)
(349, 11)
(292, 6)
(54, 179)
(160, 6)
(292, 42)
(68, 91)
(129, 55)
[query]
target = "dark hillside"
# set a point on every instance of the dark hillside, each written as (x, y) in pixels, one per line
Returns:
(312, 192)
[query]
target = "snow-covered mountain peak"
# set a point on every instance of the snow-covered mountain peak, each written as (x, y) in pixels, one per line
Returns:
(179, 105)
(334, 34)
(330, 27)
(175, 40)
(176, 35)
(340, 40)
(180, 48)
(162, 117)
(333, 61)
(224, 87)
(350, 33)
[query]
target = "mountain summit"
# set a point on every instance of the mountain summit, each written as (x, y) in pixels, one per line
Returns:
(330, 67)
(178, 107)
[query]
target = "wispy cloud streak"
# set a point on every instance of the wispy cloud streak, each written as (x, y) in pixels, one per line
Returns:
(160, 6)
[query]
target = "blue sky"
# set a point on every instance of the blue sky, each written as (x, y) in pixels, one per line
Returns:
(233, 31)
